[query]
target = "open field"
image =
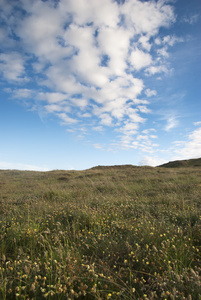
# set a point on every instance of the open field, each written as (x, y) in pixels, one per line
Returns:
(119, 232)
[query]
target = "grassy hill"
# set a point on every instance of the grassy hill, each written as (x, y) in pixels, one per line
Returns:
(183, 163)
(119, 232)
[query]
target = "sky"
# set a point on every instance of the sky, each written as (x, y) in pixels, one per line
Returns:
(99, 82)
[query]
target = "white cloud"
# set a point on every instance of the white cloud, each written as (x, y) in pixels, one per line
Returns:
(142, 137)
(100, 12)
(98, 128)
(140, 59)
(152, 161)
(134, 116)
(191, 19)
(41, 29)
(98, 146)
(157, 69)
(80, 102)
(19, 166)
(172, 122)
(148, 17)
(190, 148)
(12, 67)
(144, 42)
(144, 109)
(66, 120)
(22, 93)
(197, 123)
(52, 108)
(147, 131)
(163, 52)
(170, 40)
(106, 119)
(130, 128)
(115, 42)
(150, 93)
(81, 55)
(53, 97)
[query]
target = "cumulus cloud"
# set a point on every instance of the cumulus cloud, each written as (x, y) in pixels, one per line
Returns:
(157, 69)
(86, 59)
(140, 59)
(191, 148)
(148, 17)
(12, 66)
(151, 161)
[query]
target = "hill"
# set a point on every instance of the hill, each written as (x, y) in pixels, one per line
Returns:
(110, 233)
(183, 163)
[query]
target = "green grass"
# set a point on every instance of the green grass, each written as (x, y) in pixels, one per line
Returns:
(120, 232)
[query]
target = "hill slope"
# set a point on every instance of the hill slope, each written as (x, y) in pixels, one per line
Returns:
(183, 163)
(111, 233)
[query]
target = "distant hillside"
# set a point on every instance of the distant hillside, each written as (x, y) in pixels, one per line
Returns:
(112, 167)
(183, 163)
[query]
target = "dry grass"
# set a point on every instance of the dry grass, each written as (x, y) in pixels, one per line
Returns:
(119, 232)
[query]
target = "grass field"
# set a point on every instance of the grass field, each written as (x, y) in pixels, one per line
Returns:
(120, 232)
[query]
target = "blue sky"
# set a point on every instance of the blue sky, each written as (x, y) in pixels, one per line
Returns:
(99, 82)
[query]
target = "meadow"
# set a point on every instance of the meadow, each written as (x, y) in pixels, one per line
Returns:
(120, 232)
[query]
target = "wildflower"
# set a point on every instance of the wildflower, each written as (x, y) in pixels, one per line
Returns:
(46, 295)
(33, 288)
(72, 291)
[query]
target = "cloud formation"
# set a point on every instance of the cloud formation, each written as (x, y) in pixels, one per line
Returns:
(19, 166)
(191, 147)
(87, 60)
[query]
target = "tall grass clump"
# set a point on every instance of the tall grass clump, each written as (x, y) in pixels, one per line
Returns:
(119, 232)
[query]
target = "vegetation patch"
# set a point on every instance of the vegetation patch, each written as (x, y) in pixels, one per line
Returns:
(120, 232)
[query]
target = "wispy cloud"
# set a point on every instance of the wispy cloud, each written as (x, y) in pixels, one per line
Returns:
(172, 122)
(191, 19)
(150, 93)
(19, 166)
(197, 123)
